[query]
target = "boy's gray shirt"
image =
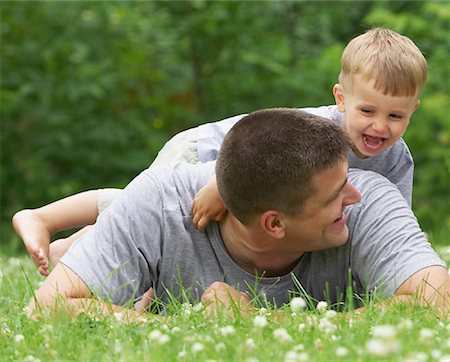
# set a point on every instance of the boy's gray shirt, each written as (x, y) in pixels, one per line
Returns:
(395, 163)
(146, 238)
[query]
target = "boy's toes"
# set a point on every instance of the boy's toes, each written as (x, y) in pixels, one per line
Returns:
(43, 270)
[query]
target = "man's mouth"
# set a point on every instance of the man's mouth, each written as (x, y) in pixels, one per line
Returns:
(340, 217)
(373, 144)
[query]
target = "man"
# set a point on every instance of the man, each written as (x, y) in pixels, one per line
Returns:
(283, 176)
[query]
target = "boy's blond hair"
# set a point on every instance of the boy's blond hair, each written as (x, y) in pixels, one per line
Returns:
(391, 60)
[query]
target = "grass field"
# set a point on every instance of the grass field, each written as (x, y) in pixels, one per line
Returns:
(395, 333)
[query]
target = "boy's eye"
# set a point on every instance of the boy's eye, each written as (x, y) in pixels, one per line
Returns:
(366, 110)
(395, 116)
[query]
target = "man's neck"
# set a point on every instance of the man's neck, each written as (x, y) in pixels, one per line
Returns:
(254, 251)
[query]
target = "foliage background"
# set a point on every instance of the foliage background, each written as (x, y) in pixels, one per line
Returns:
(90, 91)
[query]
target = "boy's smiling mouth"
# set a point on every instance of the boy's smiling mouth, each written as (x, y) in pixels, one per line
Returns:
(372, 143)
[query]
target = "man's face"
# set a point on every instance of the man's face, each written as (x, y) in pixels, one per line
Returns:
(322, 222)
(374, 121)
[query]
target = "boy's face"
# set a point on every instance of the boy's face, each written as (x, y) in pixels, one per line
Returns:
(374, 121)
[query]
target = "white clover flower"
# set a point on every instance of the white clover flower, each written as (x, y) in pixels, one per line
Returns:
(182, 354)
(303, 356)
(425, 335)
(331, 314)
(263, 311)
(282, 335)
(198, 307)
(14, 262)
(155, 335)
(405, 324)
(118, 316)
(298, 304)
(163, 339)
(382, 347)
(301, 327)
(298, 347)
(312, 319)
(175, 330)
(117, 347)
(318, 344)
(227, 330)
(384, 331)
(341, 351)
(220, 346)
(250, 343)
(436, 354)
(252, 359)
(260, 321)
(19, 338)
(420, 357)
(293, 356)
(322, 306)
(444, 358)
(197, 347)
(326, 326)
(31, 358)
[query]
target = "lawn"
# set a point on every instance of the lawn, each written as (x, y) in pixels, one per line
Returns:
(394, 333)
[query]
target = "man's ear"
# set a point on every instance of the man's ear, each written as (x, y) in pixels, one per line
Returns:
(339, 97)
(272, 223)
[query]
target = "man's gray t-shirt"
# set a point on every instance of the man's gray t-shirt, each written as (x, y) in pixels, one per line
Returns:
(395, 163)
(146, 238)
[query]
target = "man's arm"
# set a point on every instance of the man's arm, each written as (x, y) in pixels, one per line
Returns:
(429, 286)
(220, 296)
(64, 291)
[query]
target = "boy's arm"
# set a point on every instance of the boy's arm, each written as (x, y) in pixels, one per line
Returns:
(207, 205)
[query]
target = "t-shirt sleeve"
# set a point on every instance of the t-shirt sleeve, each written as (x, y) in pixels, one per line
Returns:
(387, 244)
(118, 258)
(402, 172)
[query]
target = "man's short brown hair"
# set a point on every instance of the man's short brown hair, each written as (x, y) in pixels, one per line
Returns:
(267, 160)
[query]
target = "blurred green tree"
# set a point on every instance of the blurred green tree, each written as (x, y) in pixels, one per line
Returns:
(90, 91)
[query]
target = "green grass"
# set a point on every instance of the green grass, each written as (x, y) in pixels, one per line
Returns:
(414, 334)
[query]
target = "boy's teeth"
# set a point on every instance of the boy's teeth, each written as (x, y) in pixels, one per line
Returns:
(373, 142)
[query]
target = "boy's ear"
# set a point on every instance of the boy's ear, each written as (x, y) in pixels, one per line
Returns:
(417, 105)
(339, 97)
(272, 223)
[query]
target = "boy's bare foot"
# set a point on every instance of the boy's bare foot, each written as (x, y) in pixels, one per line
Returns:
(35, 236)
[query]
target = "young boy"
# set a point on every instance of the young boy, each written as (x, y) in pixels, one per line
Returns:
(382, 73)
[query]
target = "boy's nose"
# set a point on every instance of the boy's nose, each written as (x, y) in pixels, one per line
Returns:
(380, 125)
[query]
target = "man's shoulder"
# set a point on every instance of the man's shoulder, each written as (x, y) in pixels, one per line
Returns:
(368, 182)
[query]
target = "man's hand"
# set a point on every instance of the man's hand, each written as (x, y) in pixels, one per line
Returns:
(429, 286)
(222, 297)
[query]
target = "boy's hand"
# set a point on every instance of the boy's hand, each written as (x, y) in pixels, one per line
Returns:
(207, 205)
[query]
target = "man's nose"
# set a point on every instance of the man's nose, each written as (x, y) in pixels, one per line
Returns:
(352, 195)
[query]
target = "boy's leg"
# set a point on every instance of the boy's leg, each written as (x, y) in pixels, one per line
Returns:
(35, 226)
(181, 147)
(59, 247)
